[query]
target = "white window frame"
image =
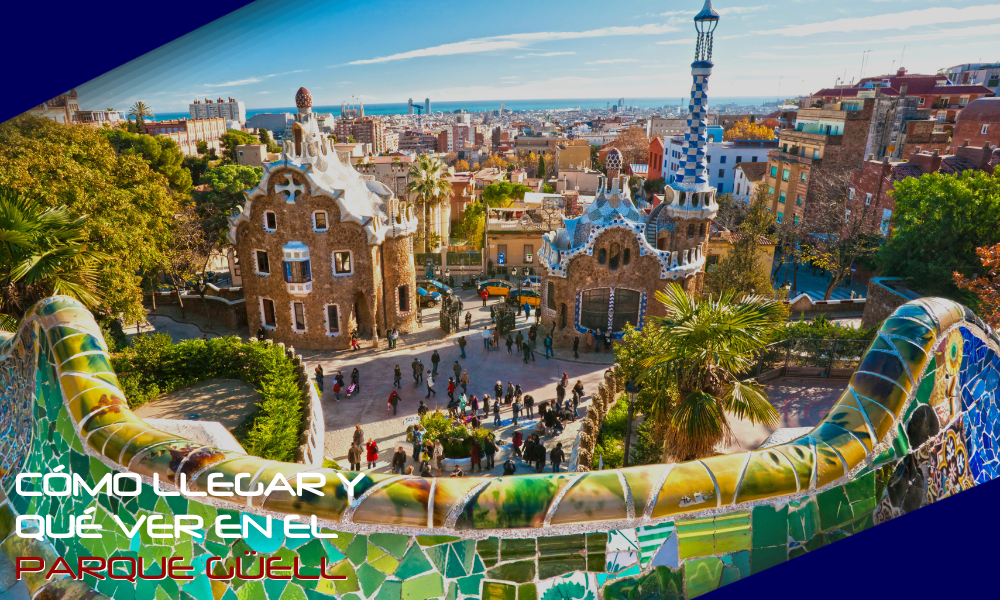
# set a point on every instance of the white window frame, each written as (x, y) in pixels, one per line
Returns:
(409, 295)
(847, 216)
(850, 194)
(326, 319)
(333, 263)
(985, 129)
(263, 320)
(291, 312)
(326, 216)
(868, 199)
(778, 217)
(264, 218)
(256, 263)
(921, 101)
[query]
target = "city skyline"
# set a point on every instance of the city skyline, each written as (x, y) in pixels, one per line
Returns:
(634, 53)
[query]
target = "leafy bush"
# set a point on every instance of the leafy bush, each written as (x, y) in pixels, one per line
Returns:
(154, 365)
(611, 440)
(439, 426)
(822, 328)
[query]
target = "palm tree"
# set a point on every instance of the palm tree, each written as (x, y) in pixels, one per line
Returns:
(141, 111)
(43, 252)
(703, 345)
(426, 181)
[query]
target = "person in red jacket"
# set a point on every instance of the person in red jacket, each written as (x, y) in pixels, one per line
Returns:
(477, 454)
(484, 295)
(372, 452)
(517, 443)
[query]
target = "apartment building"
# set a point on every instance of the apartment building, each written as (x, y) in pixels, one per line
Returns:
(987, 74)
(186, 133)
(665, 128)
(574, 154)
(827, 141)
(229, 109)
(365, 130)
(978, 124)
(747, 177)
(720, 156)
(65, 108)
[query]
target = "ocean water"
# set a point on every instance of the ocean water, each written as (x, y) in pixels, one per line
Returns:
(401, 108)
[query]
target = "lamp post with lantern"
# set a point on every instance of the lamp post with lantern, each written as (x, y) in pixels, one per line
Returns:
(632, 390)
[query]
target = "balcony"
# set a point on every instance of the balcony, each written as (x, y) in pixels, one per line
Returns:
(299, 289)
(794, 158)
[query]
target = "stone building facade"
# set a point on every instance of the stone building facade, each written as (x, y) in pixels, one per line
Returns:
(325, 251)
(602, 270)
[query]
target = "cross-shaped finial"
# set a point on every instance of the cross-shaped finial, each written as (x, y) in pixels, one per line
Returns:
(292, 189)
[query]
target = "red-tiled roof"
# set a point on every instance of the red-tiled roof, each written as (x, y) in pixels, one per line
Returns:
(916, 85)
(754, 171)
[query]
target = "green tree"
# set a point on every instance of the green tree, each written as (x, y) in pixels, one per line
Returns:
(701, 348)
(501, 193)
(939, 222)
(541, 168)
(430, 188)
(272, 146)
(653, 186)
(202, 147)
(43, 252)
(140, 111)
(213, 207)
(743, 270)
(130, 207)
(231, 139)
(159, 151)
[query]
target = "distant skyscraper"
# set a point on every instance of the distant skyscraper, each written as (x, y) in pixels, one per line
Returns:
(621, 102)
(229, 109)
(501, 109)
(411, 106)
(427, 106)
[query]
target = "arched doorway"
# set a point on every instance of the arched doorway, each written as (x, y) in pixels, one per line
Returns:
(362, 315)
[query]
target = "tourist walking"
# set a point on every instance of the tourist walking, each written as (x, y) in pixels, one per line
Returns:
(457, 369)
(468, 320)
(519, 340)
(529, 402)
(484, 295)
(556, 457)
(435, 360)
(588, 341)
(422, 409)
(539, 454)
(516, 443)
(451, 389)
(548, 347)
(560, 392)
(607, 341)
(417, 437)
(430, 386)
(461, 346)
(490, 450)
(576, 347)
(564, 380)
(486, 405)
(516, 410)
(438, 456)
(598, 338)
(498, 391)
(486, 338)
(261, 333)
(336, 390)
(372, 454)
(510, 342)
(527, 311)
(394, 336)
(474, 405)
(528, 452)
(496, 413)
(399, 461)
(319, 378)
(509, 467)
(354, 456)
(526, 351)
(464, 379)
(393, 401)
(397, 375)
(417, 370)
(356, 380)
(359, 436)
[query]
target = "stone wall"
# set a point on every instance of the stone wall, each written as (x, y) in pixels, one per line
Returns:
(883, 299)
(362, 288)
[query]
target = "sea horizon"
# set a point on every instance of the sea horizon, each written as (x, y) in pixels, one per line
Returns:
(474, 106)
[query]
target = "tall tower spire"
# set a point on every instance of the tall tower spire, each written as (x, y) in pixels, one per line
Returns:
(692, 168)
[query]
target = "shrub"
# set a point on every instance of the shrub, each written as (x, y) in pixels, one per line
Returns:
(154, 365)
(456, 439)
(611, 440)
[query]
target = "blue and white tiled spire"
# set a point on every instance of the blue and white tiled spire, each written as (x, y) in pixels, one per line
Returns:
(692, 173)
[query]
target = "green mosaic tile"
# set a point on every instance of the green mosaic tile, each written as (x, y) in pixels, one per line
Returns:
(251, 590)
(342, 541)
(834, 508)
(901, 444)
(498, 591)
(558, 555)
(741, 560)
(770, 526)
(370, 579)
(374, 552)
(439, 556)
(763, 558)
(477, 565)
(357, 552)
(518, 572)
(455, 567)
(696, 537)
(729, 575)
(469, 586)
(732, 532)
(414, 563)
(387, 564)
(390, 590)
(702, 575)
(333, 553)
(293, 592)
(393, 543)
(796, 552)
(515, 549)
(488, 549)
(426, 586)
(434, 540)
(344, 586)
(818, 541)
(527, 591)
(452, 591)
(274, 587)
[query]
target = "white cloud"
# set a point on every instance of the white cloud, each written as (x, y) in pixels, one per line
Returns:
(550, 53)
(237, 82)
(903, 20)
(608, 61)
(517, 41)
(742, 10)
(671, 42)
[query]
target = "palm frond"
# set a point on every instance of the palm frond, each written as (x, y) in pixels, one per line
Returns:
(9, 323)
(700, 415)
(747, 400)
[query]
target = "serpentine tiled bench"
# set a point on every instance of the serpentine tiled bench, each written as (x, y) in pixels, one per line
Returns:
(917, 423)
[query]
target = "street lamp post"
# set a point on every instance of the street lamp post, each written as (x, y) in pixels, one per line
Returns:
(513, 271)
(632, 397)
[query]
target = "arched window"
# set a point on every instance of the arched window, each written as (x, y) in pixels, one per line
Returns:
(691, 231)
(616, 251)
(551, 296)
(562, 315)
(627, 257)
(701, 230)
(602, 256)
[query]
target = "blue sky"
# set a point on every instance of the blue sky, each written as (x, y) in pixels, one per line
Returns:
(388, 51)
